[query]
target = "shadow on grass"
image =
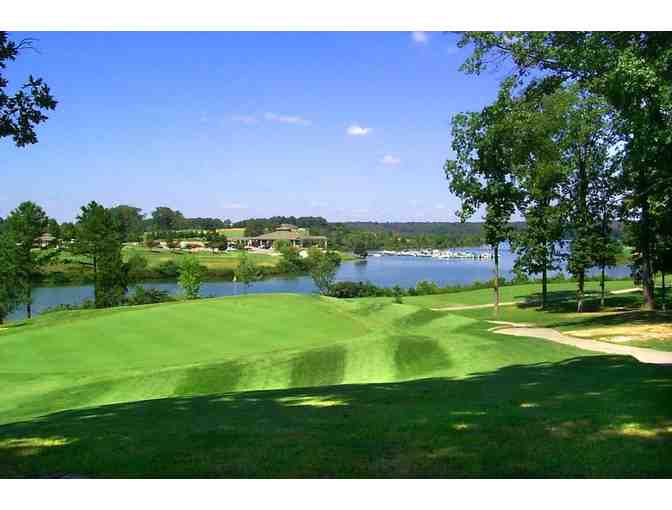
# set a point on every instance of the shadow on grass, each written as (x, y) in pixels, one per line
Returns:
(594, 416)
(564, 303)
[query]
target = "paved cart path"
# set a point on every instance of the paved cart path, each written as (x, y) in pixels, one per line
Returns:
(640, 353)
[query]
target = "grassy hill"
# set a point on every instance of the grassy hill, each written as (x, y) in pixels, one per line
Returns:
(301, 385)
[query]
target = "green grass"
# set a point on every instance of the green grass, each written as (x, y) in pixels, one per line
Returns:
(305, 386)
(212, 261)
(68, 268)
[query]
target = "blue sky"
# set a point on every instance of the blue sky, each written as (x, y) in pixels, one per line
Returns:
(349, 126)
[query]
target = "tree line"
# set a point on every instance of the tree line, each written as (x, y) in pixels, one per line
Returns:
(578, 137)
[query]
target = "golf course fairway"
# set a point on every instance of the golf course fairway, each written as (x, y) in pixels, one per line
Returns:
(284, 385)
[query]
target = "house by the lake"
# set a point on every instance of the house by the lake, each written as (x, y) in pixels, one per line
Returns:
(295, 236)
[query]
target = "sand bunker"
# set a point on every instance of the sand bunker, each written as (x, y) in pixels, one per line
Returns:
(625, 333)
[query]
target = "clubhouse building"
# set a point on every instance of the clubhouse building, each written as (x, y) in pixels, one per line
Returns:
(295, 236)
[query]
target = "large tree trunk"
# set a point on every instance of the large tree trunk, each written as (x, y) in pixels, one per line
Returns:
(544, 286)
(497, 297)
(29, 301)
(602, 287)
(645, 242)
(664, 297)
(95, 282)
(579, 291)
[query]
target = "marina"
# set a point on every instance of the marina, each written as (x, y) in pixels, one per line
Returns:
(436, 254)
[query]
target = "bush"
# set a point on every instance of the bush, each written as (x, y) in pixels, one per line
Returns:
(168, 269)
(291, 262)
(191, 276)
(346, 290)
(424, 288)
(137, 265)
(143, 296)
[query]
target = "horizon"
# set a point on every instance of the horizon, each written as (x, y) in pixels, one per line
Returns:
(233, 125)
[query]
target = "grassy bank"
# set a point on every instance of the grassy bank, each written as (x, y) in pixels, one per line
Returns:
(301, 385)
(161, 265)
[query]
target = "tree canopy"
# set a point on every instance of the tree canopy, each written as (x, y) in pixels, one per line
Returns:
(23, 110)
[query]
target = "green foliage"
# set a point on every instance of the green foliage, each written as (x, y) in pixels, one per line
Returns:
(130, 220)
(346, 290)
(291, 261)
(98, 237)
(630, 70)
(323, 268)
(68, 231)
(190, 276)
(26, 224)
(137, 265)
(247, 271)
(424, 287)
(147, 296)
(360, 249)
(216, 241)
(10, 286)
(21, 112)
(164, 218)
(398, 294)
(253, 228)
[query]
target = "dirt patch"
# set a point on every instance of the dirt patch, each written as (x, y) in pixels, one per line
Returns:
(626, 333)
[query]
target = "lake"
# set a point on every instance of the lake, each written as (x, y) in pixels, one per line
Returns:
(385, 271)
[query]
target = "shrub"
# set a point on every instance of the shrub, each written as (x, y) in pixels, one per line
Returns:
(291, 262)
(168, 269)
(191, 276)
(358, 289)
(137, 265)
(143, 296)
(323, 267)
(424, 288)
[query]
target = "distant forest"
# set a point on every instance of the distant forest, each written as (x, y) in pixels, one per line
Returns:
(425, 227)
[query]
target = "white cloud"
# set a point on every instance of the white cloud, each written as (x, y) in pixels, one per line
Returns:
(420, 37)
(390, 160)
(357, 130)
(287, 119)
(234, 205)
(245, 119)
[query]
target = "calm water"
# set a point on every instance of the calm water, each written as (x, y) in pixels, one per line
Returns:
(383, 271)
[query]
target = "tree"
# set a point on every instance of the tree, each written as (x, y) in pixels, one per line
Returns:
(323, 268)
(247, 271)
(130, 220)
(482, 172)
(631, 70)
(137, 264)
(68, 231)
(663, 244)
(190, 276)
(216, 241)
(539, 172)
(171, 242)
(10, 286)
(164, 218)
(54, 228)
(586, 139)
(360, 249)
(254, 228)
(98, 237)
(23, 110)
(27, 223)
